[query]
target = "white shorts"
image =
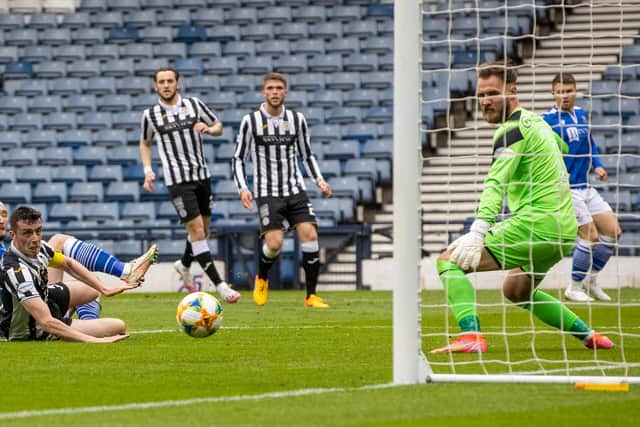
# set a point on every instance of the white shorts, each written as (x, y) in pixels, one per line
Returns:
(588, 202)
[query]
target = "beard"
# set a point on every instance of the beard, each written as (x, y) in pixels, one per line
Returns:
(495, 115)
(168, 99)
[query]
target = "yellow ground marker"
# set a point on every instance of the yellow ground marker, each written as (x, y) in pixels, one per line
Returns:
(603, 387)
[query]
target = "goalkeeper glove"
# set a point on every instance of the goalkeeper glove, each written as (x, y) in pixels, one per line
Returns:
(466, 250)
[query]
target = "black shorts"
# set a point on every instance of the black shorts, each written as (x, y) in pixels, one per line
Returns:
(274, 210)
(58, 298)
(191, 199)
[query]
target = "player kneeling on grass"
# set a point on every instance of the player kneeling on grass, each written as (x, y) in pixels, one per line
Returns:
(528, 167)
(34, 310)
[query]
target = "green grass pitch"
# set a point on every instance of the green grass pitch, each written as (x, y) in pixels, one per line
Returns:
(282, 365)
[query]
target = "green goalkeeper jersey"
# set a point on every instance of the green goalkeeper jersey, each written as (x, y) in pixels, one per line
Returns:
(528, 166)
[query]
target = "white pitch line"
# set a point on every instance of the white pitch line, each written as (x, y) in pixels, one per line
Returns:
(186, 402)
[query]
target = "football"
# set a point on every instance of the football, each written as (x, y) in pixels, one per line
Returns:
(199, 314)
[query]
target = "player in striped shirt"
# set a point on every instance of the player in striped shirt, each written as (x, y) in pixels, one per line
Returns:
(598, 228)
(178, 124)
(36, 310)
(275, 136)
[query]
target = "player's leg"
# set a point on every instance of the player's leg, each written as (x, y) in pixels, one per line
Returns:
(303, 220)
(193, 203)
(608, 230)
(270, 210)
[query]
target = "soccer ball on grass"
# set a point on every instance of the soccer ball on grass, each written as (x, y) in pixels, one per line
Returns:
(199, 314)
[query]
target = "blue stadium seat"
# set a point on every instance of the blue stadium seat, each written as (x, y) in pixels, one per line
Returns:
(275, 15)
(361, 29)
(127, 249)
(55, 36)
(40, 139)
(208, 17)
(255, 65)
(628, 144)
(170, 51)
(242, 16)
(226, 190)
(630, 164)
(149, 67)
(314, 116)
(26, 87)
(94, 121)
(84, 69)
(138, 211)
(291, 64)
(50, 70)
(34, 54)
(251, 100)
(297, 100)
(9, 54)
(122, 35)
(69, 174)
(90, 156)
(174, 17)
(65, 212)
(69, 53)
(347, 14)
(13, 105)
(110, 138)
(100, 86)
(257, 32)
(344, 115)
(33, 175)
(65, 87)
(220, 171)
(119, 68)
(631, 54)
(59, 121)
(325, 30)
(79, 103)
(343, 46)
(93, 6)
(377, 45)
(156, 35)
(18, 70)
(326, 132)
(122, 155)
(99, 211)
(342, 150)
(74, 138)
(165, 210)
(127, 120)
(345, 81)
(11, 21)
(160, 194)
(327, 209)
(205, 50)
(15, 193)
(378, 149)
(55, 156)
(114, 103)
(362, 98)
(136, 51)
(134, 85)
(26, 122)
(124, 5)
(345, 186)
(189, 66)
(88, 36)
(330, 63)
(140, 18)
(86, 192)
(361, 132)
(105, 173)
(604, 88)
(307, 82)
(142, 102)
(239, 49)
(10, 139)
(20, 37)
(8, 174)
(273, 48)
(224, 33)
(50, 192)
(362, 168)
(169, 250)
(620, 72)
(630, 88)
(293, 31)
(232, 117)
(75, 20)
(330, 168)
(326, 99)
(191, 34)
(310, 15)
(378, 115)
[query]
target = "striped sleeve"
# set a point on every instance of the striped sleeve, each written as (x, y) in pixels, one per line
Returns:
(204, 112)
(243, 145)
(147, 131)
(21, 283)
(304, 148)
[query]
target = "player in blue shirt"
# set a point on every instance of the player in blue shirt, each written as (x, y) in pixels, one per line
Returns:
(598, 227)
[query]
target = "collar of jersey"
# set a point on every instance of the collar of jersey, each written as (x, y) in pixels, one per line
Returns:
(279, 116)
(171, 108)
(23, 256)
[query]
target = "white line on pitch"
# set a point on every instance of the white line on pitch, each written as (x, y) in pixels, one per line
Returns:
(186, 402)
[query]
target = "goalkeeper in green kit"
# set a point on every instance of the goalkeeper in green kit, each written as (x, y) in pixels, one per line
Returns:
(528, 167)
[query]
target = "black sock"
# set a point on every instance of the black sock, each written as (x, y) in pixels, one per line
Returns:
(265, 265)
(206, 262)
(311, 265)
(187, 256)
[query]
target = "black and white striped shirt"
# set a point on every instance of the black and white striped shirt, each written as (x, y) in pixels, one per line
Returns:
(179, 145)
(273, 143)
(24, 278)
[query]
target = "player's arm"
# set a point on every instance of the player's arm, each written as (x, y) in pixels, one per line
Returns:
(42, 315)
(243, 145)
(145, 151)
(81, 273)
(208, 121)
(308, 158)
(598, 167)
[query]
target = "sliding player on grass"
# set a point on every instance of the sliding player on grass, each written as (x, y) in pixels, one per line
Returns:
(527, 167)
(598, 228)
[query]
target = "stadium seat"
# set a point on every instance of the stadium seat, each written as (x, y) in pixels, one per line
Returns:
(362, 168)
(86, 192)
(90, 156)
(11, 21)
(242, 16)
(87, 36)
(119, 68)
(361, 132)
(69, 53)
(232, 117)
(134, 85)
(127, 120)
(226, 190)
(291, 64)
(9, 54)
(105, 173)
(127, 6)
(33, 54)
(342, 150)
(377, 45)
(224, 33)
(251, 100)
(15, 193)
(65, 87)
(10, 139)
(140, 18)
(174, 17)
(314, 116)
(26, 122)
(59, 121)
(84, 69)
(69, 174)
(94, 121)
(345, 186)
(8, 174)
(308, 47)
(293, 31)
(75, 20)
(114, 103)
(326, 132)
(310, 15)
(208, 17)
(40, 139)
(220, 171)
(122, 35)
(159, 195)
(378, 115)
(50, 70)
(156, 35)
(50, 192)
(95, 211)
(330, 63)
(362, 98)
(378, 149)
(136, 51)
(138, 211)
(18, 70)
(55, 156)
(189, 67)
(13, 105)
(344, 115)
(631, 54)
(74, 138)
(255, 65)
(122, 155)
(79, 104)
(257, 32)
(127, 249)
(20, 37)
(346, 14)
(327, 209)
(619, 72)
(65, 212)
(326, 99)
(30, 87)
(170, 250)
(165, 210)
(142, 102)
(308, 82)
(110, 138)
(33, 175)
(205, 50)
(55, 37)
(630, 88)
(330, 168)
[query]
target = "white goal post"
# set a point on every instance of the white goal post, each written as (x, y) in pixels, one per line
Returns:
(410, 365)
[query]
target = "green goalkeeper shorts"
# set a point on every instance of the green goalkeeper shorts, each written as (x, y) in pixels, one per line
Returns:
(535, 247)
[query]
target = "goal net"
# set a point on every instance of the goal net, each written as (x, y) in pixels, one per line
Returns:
(438, 48)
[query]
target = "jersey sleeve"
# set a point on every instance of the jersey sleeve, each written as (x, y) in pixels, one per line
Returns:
(147, 131)
(507, 151)
(595, 153)
(205, 113)
(19, 281)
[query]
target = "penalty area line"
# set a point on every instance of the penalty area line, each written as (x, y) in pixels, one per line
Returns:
(186, 402)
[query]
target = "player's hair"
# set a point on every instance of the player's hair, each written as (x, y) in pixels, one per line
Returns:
(24, 213)
(159, 70)
(505, 70)
(564, 78)
(275, 76)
